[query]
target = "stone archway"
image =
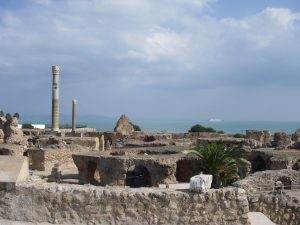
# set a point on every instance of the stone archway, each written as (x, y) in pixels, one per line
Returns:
(258, 164)
(93, 176)
(138, 176)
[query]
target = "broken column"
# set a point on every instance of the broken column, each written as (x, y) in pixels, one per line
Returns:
(55, 98)
(74, 104)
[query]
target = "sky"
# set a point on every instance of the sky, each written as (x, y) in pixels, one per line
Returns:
(175, 59)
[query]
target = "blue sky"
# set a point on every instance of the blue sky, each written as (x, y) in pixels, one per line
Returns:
(197, 59)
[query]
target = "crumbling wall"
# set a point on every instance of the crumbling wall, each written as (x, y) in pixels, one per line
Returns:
(117, 170)
(73, 204)
(262, 138)
(278, 206)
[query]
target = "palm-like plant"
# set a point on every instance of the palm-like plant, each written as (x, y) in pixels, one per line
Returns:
(219, 160)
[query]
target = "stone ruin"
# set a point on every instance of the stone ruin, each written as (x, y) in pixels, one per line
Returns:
(123, 126)
(9, 131)
(136, 168)
(261, 138)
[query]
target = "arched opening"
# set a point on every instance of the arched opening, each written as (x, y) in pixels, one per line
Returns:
(258, 164)
(138, 176)
(296, 166)
(93, 176)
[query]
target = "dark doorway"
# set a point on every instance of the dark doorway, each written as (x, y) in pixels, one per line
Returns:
(93, 176)
(186, 168)
(258, 164)
(138, 176)
(287, 182)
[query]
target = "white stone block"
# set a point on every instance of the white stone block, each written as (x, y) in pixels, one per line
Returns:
(200, 183)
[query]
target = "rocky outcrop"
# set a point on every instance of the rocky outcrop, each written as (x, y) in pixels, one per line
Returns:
(281, 140)
(13, 134)
(123, 126)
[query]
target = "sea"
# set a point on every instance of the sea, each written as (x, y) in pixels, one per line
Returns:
(229, 127)
(178, 126)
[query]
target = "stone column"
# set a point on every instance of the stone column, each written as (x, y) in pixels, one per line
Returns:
(74, 104)
(55, 98)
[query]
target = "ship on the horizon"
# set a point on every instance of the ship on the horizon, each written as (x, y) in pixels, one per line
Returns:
(215, 120)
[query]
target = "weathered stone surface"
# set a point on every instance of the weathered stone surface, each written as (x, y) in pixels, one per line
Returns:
(137, 171)
(265, 180)
(280, 207)
(74, 204)
(11, 149)
(261, 138)
(12, 134)
(72, 143)
(296, 136)
(244, 168)
(123, 126)
(201, 183)
(268, 158)
(59, 150)
(281, 140)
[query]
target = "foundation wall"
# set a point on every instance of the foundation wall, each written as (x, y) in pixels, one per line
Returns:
(74, 204)
(279, 207)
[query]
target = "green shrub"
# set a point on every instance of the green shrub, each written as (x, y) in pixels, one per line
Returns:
(1, 113)
(135, 127)
(200, 128)
(221, 132)
(219, 160)
(237, 135)
(8, 116)
(27, 126)
(17, 115)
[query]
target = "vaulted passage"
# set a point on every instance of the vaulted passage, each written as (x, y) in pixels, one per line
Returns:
(138, 176)
(258, 164)
(93, 173)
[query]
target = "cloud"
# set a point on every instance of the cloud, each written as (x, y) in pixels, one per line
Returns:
(143, 49)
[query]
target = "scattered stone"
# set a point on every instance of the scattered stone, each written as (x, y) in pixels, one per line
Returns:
(200, 183)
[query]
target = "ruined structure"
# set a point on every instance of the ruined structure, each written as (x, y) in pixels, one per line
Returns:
(55, 98)
(281, 205)
(262, 138)
(138, 168)
(123, 126)
(281, 140)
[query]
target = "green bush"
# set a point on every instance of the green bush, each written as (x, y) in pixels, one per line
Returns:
(200, 128)
(221, 132)
(135, 127)
(237, 135)
(17, 115)
(8, 116)
(219, 160)
(27, 126)
(1, 113)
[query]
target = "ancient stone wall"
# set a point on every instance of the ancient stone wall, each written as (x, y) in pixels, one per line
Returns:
(279, 207)
(265, 180)
(262, 138)
(73, 204)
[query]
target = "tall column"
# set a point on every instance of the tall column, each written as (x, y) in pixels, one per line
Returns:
(55, 98)
(74, 104)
